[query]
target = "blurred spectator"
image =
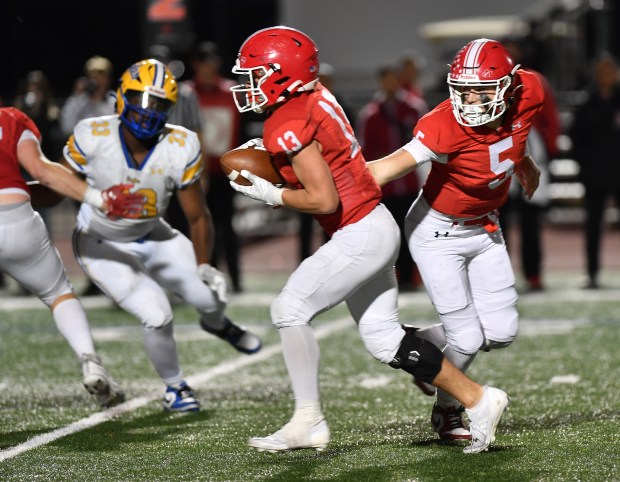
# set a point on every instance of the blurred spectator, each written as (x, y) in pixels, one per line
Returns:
(596, 146)
(409, 69)
(542, 145)
(221, 132)
(186, 113)
(37, 101)
(91, 96)
(383, 126)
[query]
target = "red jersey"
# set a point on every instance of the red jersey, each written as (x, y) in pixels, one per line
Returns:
(13, 124)
(472, 176)
(317, 116)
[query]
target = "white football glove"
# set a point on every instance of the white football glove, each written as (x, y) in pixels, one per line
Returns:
(214, 279)
(260, 189)
(256, 143)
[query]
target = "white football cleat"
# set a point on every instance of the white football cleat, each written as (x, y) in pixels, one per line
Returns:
(293, 436)
(484, 418)
(99, 383)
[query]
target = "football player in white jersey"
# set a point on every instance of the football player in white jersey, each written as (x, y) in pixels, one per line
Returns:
(133, 261)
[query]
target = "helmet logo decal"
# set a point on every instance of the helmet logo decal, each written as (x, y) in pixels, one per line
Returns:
(486, 73)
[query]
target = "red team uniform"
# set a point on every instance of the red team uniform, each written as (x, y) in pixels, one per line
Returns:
(318, 116)
(452, 228)
(474, 176)
(32, 260)
(315, 151)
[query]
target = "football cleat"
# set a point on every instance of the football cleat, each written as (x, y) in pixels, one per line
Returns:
(426, 388)
(180, 399)
(448, 423)
(484, 419)
(294, 436)
(99, 383)
(241, 339)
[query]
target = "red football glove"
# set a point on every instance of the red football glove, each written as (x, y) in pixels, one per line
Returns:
(120, 203)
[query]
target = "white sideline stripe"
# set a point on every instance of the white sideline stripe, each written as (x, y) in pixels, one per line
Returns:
(321, 331)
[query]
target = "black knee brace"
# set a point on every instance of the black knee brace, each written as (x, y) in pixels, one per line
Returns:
(417, 356)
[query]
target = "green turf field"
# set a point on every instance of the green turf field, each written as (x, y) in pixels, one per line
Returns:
(561, 375)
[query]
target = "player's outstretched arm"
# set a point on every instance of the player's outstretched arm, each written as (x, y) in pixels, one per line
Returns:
(392, 167)
(116, 201)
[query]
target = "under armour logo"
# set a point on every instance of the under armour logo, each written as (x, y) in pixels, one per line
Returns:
(517, 125)
(445, 235)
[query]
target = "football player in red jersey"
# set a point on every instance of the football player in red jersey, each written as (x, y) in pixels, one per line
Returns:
(476, 140)
(26, 251)
(316, 152)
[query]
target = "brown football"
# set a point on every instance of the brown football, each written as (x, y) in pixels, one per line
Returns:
(252, 159)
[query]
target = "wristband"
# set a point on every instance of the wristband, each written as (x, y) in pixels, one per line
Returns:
(94, 197)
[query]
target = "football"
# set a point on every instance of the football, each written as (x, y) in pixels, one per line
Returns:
(252, 159)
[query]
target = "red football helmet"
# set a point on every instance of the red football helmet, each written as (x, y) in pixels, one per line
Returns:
(278, 61)
(481, 64)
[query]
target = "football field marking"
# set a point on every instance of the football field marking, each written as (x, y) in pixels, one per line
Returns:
(321, 331)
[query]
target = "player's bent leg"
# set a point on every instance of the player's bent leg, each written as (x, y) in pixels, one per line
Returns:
(418, 357)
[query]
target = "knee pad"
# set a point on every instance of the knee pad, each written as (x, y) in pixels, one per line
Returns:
(463, 330)
(154, 316)
(288, 311)
(418, 357)
(500, 327)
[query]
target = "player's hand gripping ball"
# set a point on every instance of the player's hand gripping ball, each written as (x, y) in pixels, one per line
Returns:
(253, 159)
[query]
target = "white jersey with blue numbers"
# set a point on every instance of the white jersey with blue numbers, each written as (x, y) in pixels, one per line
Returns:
(97, 150)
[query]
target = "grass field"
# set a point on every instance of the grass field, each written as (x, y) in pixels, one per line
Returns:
(561, 375)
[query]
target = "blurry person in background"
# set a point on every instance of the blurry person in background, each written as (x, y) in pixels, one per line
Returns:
(409, 68)
(37, 101)
(91, 96)
(595, 133)
(542, 144)
(383, 125)
(221, 132)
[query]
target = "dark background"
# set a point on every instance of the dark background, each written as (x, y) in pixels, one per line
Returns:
(57, 37)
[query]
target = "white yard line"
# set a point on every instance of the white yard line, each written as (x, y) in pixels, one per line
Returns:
(321, 331)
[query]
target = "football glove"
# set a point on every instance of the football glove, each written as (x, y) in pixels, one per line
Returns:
(215, 280)
(122, 203)
(260, 189)
(256, 143)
